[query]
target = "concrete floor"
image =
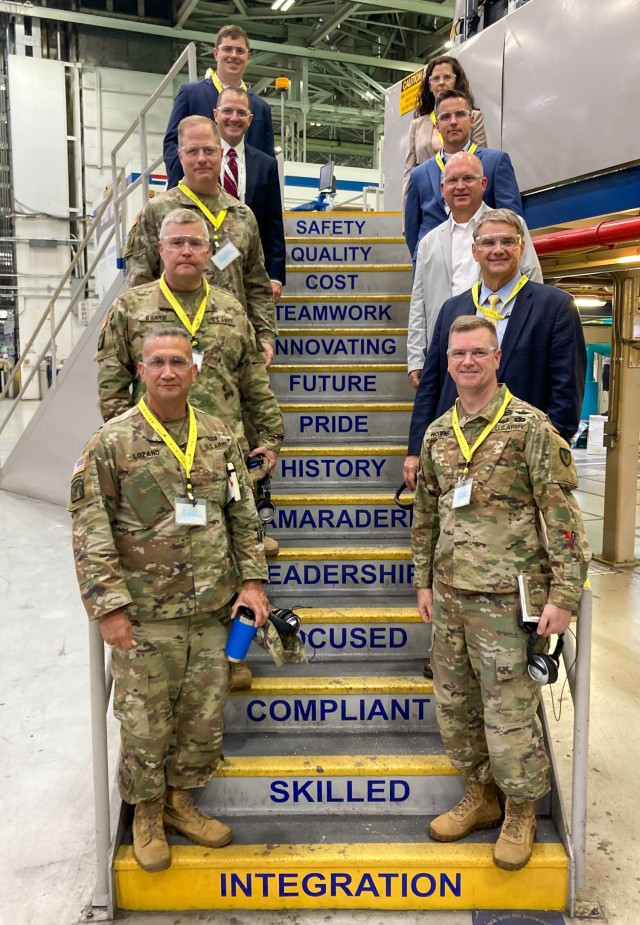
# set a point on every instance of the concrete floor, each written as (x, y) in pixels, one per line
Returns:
(46, 835)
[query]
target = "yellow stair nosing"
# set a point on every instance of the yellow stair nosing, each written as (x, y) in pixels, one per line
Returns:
(364, 684)
(368, 297)
(347, 406)
(337, 615)
(338, 367)
(338, 214)
(337, 766)
(291, 553)
(346, 267)
(340, 332)
(339, 239)
(404, 854)
(337, 450)
(327, 498)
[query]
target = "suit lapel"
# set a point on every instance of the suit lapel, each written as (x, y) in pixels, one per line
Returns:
(211, 94)
(519, 315)
(250, 173)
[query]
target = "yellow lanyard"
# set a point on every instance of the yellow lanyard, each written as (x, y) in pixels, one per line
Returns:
(462, 440)
(180, 312)
(491, 312)
(217, 83)
(216, 220)
(440, 160)
(185, 459)
(433, 119)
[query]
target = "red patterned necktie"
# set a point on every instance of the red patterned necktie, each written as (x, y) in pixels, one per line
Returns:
(231, 173)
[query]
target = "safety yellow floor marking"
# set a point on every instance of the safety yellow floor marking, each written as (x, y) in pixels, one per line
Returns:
(342, 267)
(336, 216)
(336, 765)
(369, 684)
(337, 239)
(311, 299)
(323, 331)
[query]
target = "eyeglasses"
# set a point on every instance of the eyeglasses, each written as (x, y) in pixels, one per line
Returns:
(488, 241)
(448, 116)
(208, 151)
(230, 111)
(478, 353)
(467, 180)
(233, 50)
(179, 364)
(179, 242)
(442, 79)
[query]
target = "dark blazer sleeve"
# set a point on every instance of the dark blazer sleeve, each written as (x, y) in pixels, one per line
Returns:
(260, 134)
(428, 393)
(264, 200)
(567, 370)
(505, 186)
(412, 213)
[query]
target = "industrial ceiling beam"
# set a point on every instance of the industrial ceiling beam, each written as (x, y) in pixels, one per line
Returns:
(325, 28)
(124, 25)
(185, 12)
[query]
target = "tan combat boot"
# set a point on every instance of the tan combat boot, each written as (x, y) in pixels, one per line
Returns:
(181, 816)
(241, 677)
(478, 809)
(150, 847)
(271, 547)
(515, 844)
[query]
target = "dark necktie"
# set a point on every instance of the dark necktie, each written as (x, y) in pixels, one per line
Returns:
(231, 174)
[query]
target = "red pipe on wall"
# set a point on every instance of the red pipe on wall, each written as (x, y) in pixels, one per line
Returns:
(605, 234)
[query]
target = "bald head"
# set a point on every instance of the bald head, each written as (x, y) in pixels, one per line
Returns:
(462, 185)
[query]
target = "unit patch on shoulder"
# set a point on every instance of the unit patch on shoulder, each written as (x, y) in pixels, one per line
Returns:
(565, 456)
(77, 489)
(79, 466)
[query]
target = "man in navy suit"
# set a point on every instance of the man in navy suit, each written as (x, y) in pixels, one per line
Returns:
(252, 177)
(425, 207)
(539, 331)
(231, 53)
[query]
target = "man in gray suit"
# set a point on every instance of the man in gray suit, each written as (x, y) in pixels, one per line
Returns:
(444, 263)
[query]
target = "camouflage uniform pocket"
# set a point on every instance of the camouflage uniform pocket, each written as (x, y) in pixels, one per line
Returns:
(131, 688)
(513, 685)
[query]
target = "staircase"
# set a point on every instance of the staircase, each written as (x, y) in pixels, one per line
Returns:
(332, 769)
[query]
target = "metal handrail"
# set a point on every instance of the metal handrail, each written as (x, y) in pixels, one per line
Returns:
(116, 195)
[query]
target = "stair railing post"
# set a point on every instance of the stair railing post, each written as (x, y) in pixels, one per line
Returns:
(99, 688)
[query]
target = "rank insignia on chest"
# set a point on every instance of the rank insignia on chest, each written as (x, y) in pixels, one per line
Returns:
(565, 455)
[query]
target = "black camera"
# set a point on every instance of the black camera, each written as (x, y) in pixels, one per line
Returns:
(285, 621)
(264, 505)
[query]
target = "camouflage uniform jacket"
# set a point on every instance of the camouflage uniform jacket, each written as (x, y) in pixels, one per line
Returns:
(245, 278)
(128, 550)
(232, 379)
(523, 467)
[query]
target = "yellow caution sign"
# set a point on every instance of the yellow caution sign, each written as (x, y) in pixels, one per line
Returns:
(409, 91)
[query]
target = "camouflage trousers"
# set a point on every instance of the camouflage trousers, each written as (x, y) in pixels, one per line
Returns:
(486, 702)
(169, 695)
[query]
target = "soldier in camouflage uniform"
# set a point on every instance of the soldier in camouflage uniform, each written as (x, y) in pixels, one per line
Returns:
(159, 580)
(236, 240)
(489, 469)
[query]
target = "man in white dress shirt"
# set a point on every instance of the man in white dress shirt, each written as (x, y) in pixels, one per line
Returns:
(445, 265)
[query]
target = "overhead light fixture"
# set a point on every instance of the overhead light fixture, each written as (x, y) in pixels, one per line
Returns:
(448, 44)
(631, 258)
(276, 4)
(583, 301)
(287, 5)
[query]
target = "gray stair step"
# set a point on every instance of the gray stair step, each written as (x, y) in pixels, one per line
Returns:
(349, 279)
(346, 576)
(347, 468)
(343, 224)
(308, 345)
(334, 382)
(322, 311)
(379, 742)
(327, 251)
(383, 422)
(325, 518)
(303, 703)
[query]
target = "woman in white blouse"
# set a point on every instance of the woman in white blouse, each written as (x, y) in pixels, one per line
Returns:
(443, 73)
